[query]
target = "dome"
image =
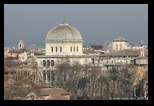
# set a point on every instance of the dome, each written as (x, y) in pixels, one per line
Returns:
(119, 40)
(64, 32)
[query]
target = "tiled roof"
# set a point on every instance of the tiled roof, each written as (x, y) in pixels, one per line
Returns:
(44, 86)
(16, 51)
(55, 93)
(96, 46)
(126, 52)
(141, 57)
(45, 92)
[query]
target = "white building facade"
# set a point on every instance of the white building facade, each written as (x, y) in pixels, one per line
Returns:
(63, 44)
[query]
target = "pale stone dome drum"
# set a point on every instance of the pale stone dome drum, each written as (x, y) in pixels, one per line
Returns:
(64, 32)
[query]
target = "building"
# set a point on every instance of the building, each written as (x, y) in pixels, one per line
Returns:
(63, 43)
(119, 44)
(45, 92)
(20, 45)
(20, 55)
(141, 59)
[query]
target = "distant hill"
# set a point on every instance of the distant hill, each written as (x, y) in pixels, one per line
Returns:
(26, 44)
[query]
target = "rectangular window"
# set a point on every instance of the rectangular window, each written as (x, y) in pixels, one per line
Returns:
(56, 49)
(116, 46)
(51, 49)
(71, 49)
(74, 49)
(120, 46)
(60, 49)
(92, 60)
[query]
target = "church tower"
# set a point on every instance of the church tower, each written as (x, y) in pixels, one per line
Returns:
(142, 53)
(20, 45)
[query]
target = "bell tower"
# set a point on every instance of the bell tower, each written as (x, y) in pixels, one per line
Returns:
(20, 45)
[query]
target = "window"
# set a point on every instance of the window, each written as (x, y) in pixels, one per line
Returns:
(48, 62)
(52, 62)
(25, 73)
(77, 49)
(44, 63)
(92, 60)
(71, 48)
(60, 49)
(74, 49)
(51, 49)
(56, 49)
(112, 61)
(116, 46)
(44, 75)
(48, 75)
(120, 46)
(53, 76)
(64, 74)
(67, 77)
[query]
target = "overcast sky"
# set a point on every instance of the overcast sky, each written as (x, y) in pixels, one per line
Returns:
(97, 23)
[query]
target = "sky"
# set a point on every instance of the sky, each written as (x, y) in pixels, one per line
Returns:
(97, 23)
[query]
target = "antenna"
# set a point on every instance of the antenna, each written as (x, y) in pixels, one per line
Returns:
(63, 22)
(64, 18)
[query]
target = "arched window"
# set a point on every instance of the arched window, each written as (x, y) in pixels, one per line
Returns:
(56, 49)
(44, 63)
(52, 75)
(52, 62)
(48, 75)
(71, 48)
(48, 62)
(60, 49)
(74, 49)
(51, 49)
(44, 75)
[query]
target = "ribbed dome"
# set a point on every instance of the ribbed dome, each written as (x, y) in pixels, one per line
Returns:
(63, 32)
(119, 40)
